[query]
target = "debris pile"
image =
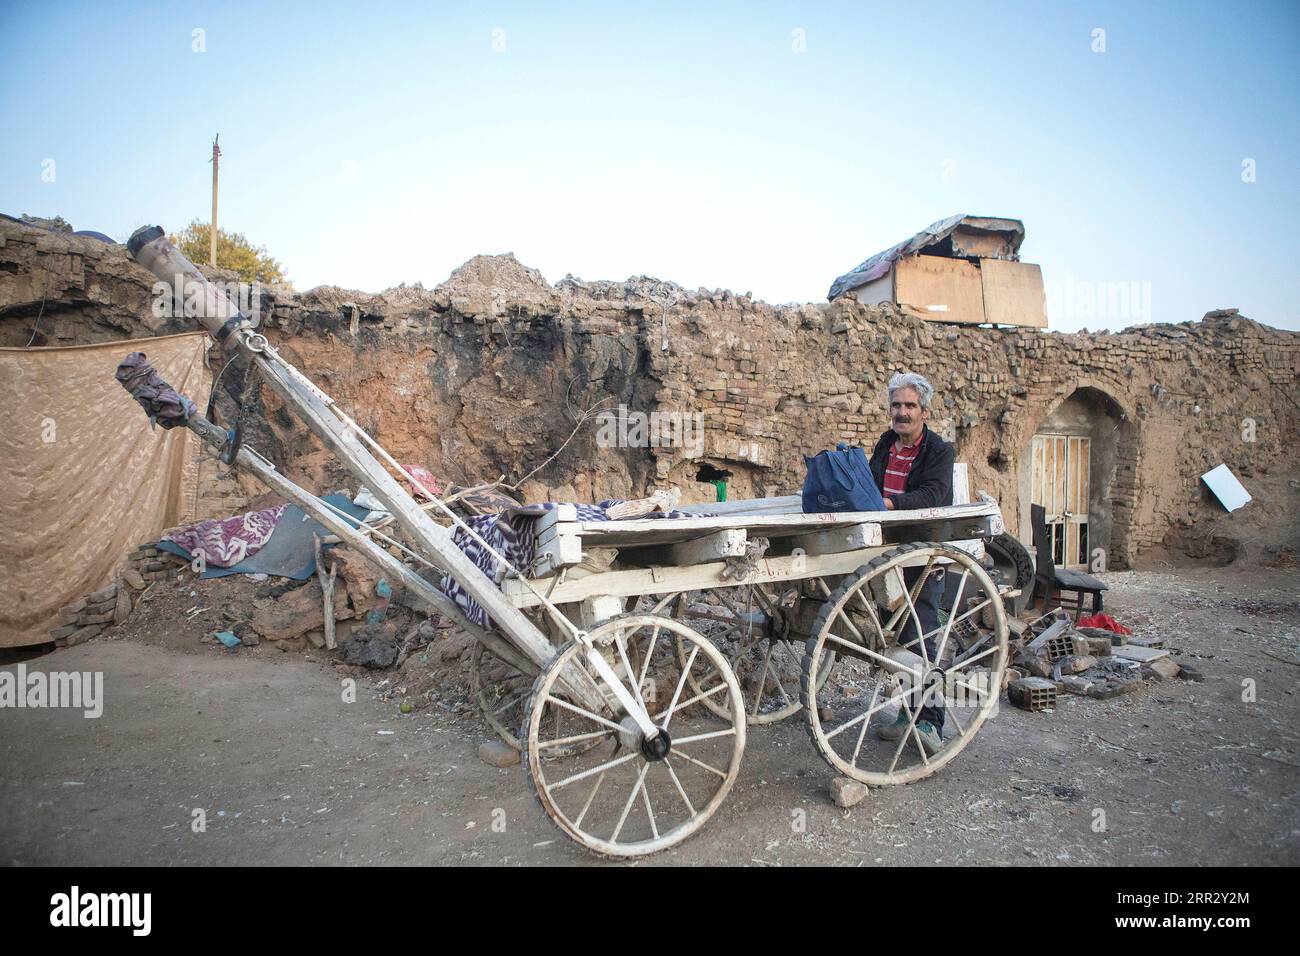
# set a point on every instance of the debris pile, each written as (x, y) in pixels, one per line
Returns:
(1051, 656)
(88, 616)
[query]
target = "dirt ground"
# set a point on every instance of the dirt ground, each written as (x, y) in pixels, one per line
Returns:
(286, 772)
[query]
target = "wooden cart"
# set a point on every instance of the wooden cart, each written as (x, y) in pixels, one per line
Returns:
(630, 660)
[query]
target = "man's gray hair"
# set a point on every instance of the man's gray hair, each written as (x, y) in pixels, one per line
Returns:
(924, 390)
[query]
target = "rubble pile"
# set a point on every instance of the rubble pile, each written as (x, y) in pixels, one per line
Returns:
(159, 599)
(88, 616)
(1052, 654)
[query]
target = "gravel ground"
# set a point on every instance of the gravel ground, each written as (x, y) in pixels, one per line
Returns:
(286, 772)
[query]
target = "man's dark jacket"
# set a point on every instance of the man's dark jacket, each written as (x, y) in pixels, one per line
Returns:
(929, 483)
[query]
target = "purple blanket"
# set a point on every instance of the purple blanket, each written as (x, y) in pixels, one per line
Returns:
(228, 541)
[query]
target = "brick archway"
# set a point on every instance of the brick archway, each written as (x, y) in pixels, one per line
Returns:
(1091, 421)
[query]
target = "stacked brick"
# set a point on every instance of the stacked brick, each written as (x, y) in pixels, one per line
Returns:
(87, 617)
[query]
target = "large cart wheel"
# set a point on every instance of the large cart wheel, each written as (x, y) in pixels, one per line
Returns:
(886, 672)
(757, 629)
(628, 796)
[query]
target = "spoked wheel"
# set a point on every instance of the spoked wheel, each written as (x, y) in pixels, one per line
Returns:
(629, 795)
(501, 692)
(898, 708)
(755, 627)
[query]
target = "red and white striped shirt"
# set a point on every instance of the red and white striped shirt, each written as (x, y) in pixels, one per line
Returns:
(900, 463)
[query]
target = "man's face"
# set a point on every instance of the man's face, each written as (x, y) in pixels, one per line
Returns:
(907, 415)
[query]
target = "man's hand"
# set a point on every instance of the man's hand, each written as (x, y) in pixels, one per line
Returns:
(889, 504)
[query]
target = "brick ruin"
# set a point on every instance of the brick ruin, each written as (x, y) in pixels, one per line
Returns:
(489, 373)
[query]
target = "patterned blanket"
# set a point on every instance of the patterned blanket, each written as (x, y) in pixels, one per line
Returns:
(513, 534)
(228, 541)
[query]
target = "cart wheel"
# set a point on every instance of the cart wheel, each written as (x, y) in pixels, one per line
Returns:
(886, 671)
(501, 693)
(628, 796)
(753, 626)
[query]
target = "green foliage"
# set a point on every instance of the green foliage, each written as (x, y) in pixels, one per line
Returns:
(234, 252)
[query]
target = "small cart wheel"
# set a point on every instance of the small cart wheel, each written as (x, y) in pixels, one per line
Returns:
(501, 692)
(755, 628)
(875, 719)
(629, 795)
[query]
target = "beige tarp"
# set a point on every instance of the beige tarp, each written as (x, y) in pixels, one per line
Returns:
(83, 478)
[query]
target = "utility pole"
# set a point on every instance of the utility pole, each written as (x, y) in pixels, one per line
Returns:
(212, 235)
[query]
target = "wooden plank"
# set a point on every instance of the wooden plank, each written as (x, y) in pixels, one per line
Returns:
(422, 592)
(433, 539)
(780, 505)
(554, 516)
(1081, 491)
(642, 532)
(961, 484)
(560, 550)
(1040, 451)
(837, 540)
(1013, 293)
(945, 290)
(729, 543)
(556, 531)
(698, 577)
(1058, 475)
(595, 611)
(1131, 652)
(327, 591)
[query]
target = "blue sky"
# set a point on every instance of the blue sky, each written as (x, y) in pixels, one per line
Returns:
(764, 147)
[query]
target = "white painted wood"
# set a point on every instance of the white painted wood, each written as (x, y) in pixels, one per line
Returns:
(887, 590)
(960, 484)
(559, 551)
(720, 544)
(595, 611)
(599, 829)
(423, 592)
(431, 538)
(699, 577)
(644, 532)
(838, 540)
(558, 515)
(783, 505)
(1131, 652)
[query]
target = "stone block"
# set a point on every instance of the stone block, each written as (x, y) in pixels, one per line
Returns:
(1074, 684)
(496, 753)
(846, 792)
(103, 594)
(1161, 669)
(83, 634)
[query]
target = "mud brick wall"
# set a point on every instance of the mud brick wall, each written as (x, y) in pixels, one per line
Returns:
(490, 373)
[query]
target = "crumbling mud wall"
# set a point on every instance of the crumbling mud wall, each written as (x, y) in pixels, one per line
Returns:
(496, 372)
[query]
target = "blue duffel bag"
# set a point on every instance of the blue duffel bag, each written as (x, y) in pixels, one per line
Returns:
(840, 480)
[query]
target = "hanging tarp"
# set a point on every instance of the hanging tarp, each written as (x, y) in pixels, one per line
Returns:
(83, 479)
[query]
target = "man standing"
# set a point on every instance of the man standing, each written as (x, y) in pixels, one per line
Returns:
(913, 469)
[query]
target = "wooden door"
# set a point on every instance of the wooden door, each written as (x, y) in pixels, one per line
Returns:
(1060, 485)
